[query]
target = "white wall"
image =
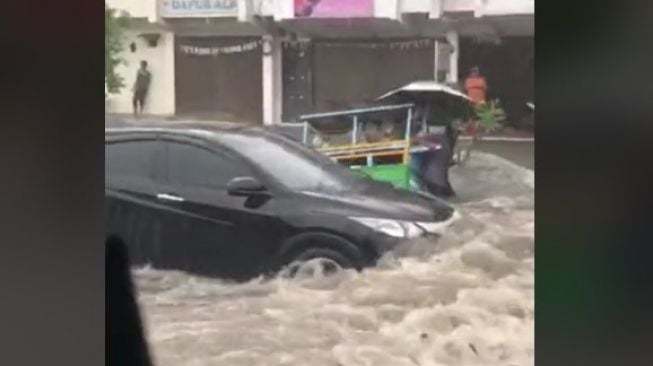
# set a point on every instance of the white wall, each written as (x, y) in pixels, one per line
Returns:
(161, 63)
(278, 9)
(272, 82)
(416, 6)
(387, 9)
(136, 8)
(507, 7)
(459, 5)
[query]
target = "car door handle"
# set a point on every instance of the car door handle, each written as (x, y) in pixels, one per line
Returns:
(169, 197)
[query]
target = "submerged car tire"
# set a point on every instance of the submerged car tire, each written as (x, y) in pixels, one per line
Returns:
(328, 262)
(333, 250)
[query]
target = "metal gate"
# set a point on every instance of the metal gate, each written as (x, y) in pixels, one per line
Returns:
(359, 71)
(297, 79)
(219, 78)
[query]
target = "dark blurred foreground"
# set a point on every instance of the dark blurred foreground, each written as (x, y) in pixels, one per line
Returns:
(125, 342)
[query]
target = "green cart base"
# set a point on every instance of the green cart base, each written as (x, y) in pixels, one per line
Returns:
(397, 174)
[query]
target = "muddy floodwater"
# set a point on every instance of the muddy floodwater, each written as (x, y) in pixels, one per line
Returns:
(465, 300)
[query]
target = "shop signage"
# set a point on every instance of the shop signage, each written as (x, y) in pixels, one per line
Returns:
(216, 51)
(198, 8)
(334, 8)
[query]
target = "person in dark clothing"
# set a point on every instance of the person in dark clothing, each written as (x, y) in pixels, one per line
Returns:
(434, 167)
(141, 87)
(440, 139)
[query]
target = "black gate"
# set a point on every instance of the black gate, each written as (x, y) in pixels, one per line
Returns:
(334, 74)
(297, 79)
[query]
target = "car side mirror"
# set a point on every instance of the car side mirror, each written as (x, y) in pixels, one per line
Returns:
(245, 187)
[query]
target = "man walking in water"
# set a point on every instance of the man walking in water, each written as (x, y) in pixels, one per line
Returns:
(141, 87)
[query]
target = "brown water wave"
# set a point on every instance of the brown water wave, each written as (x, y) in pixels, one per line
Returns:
(467, 300)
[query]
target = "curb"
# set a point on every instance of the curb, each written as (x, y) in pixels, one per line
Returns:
(500, 138)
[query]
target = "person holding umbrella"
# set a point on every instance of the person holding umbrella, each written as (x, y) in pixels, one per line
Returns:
(436, 104)
(440, 139)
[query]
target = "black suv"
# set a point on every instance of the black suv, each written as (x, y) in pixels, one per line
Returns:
(237, 201)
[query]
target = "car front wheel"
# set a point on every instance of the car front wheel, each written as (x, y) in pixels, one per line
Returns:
(314, 262)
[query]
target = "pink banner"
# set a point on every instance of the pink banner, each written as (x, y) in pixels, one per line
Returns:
(334, 8)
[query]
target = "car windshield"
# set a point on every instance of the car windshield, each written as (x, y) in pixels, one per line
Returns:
(291, 163)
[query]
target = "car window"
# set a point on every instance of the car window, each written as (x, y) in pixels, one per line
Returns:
(292, 164)
(192, 165)
(130, 159)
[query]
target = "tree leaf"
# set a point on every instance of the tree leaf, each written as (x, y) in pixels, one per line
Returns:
(113, 46)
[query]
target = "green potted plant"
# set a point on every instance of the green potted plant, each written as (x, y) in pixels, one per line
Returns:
(487, 118)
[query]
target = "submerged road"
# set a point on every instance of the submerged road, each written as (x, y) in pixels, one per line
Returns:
(519, 152)
(466, 300)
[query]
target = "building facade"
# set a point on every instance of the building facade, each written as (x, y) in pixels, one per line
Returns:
(145, 39)
(270, 60)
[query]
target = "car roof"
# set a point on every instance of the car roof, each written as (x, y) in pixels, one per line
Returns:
(122, 125)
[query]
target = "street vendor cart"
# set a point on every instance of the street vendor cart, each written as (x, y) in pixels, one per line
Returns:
(385, 141)
(357, 138)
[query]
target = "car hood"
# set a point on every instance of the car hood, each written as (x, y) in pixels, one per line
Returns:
(382, 201)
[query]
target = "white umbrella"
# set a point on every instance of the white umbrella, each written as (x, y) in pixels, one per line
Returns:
(426, 89)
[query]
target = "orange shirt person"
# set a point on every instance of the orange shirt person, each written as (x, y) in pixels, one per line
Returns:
(476, 86)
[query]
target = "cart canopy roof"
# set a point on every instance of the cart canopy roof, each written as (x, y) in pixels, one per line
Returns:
(424, 89)
(400, 109)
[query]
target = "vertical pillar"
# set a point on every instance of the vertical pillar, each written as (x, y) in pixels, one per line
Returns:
(271, 80)
(436, 9)
(278, 81)
(436, 61)
(452, 38)
(479, 8)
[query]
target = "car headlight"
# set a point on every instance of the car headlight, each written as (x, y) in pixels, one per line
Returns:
(394, 228)
(405, 229)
